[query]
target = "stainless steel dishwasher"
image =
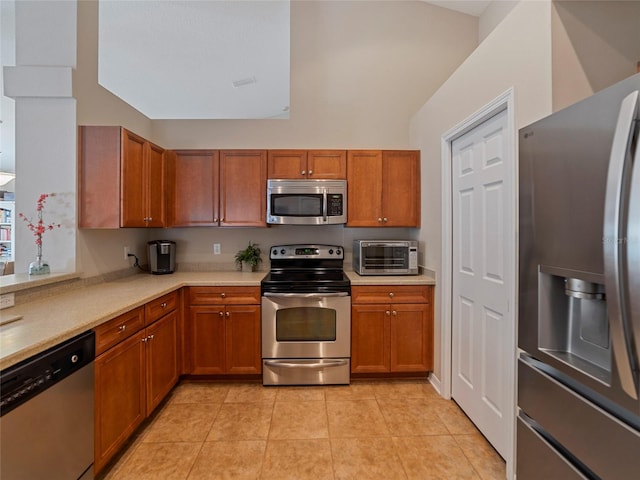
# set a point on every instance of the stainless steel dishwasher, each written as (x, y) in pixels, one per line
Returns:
(46, 414)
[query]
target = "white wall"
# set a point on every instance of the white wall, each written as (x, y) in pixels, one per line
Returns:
(45, 143)
(516, 54)
(7, 107)
(595, 44)
(359, 70)
(495, 12)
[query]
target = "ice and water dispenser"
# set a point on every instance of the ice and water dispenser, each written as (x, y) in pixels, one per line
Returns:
(573, 324)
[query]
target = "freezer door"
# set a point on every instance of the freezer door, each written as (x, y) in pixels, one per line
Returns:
(537, 458)
(602, 443)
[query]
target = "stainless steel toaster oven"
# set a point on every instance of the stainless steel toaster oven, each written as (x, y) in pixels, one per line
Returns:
(385, 257)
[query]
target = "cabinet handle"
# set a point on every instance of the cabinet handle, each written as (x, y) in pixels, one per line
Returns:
(150, 337)
(215, 220)
(387, 313)
(163, 304)
(380, 219)
(310, 172)
(144, 340)
(385, 219)
(303, 172)
(220, 314)
(390, 294)
(223, 295)
(394, 312)
(227, 314)
(122, 328)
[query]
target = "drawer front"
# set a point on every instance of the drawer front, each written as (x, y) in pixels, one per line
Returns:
(581, 427)
(114, 331)
(391, 294)
(224, 295)
(537, 458)
(159, 307)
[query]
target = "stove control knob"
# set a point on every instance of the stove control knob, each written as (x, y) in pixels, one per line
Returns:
(283, 251)
(338, 252)
(275, 251)
(331, 251)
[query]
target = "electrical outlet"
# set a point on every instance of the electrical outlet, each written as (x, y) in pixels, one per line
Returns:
(126, 253)
(216, 249)
(7, 300)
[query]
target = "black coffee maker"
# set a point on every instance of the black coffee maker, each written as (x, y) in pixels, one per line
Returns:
(162, 256)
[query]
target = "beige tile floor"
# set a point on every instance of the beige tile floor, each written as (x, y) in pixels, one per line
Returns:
(367, 430)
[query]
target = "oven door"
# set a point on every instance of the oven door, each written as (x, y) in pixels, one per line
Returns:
(306, 325)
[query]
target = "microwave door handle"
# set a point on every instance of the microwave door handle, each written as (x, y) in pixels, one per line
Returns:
(324, 205)
(613, 240)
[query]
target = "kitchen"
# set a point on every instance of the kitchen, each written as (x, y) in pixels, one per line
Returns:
(493, 66)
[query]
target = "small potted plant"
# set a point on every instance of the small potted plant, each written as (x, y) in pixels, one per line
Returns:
(249, 258)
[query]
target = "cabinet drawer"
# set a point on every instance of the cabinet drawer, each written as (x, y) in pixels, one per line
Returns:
(224, 295)
(157, 308)
(114, 331)
(391, 294)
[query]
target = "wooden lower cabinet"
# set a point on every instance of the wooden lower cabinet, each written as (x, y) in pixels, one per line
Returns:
(131, 379)
(119, 397)
(391, 337)
(225, 339)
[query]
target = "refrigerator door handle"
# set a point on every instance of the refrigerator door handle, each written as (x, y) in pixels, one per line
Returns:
(613, 243)
(632, 246)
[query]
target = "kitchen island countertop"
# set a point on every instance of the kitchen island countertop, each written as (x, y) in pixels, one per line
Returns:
(49, 321)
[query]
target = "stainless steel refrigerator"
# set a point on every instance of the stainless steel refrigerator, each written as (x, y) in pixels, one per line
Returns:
(579, 290)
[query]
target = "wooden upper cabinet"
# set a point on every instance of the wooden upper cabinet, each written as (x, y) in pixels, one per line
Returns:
(121, 179)
(193, 177)
(307, 164)
(401, 188)
(364, 183)
(384, 188)
(243, 188)
(287, 164)
(217, 188)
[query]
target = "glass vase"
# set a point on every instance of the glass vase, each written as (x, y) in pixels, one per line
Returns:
(39, 267)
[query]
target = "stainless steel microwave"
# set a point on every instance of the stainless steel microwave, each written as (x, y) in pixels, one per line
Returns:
(385, 257)
(306, 202)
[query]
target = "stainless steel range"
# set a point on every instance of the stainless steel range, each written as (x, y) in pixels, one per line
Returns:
(306, 317)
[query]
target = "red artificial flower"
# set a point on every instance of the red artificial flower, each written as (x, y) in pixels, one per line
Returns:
(39, 228)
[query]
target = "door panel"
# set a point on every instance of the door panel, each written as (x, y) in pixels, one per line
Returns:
(481, 322)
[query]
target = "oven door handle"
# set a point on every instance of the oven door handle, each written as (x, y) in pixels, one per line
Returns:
(286, 364)
(306, 295)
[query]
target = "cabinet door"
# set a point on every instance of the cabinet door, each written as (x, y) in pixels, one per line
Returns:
(370, 338)
(162, 359)
(411, 338)
(155, 187)
(134, 183)
(327, 164)
(207, 339)
(287, 164)
(364, 171)
(99, 164)
(193, 186)
(119, 397)
(242, 335)
(400, 188)
(243, 188)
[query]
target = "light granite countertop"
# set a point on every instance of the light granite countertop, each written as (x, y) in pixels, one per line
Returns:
(44, 323)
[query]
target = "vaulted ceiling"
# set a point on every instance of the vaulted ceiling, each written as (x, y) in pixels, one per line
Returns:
(223, 59)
